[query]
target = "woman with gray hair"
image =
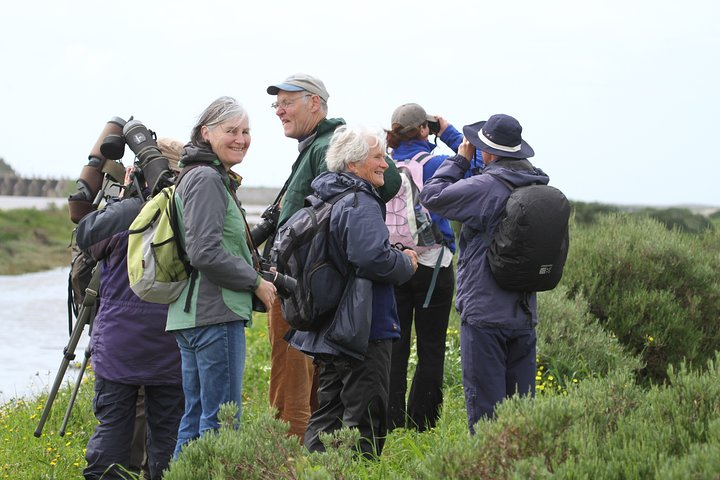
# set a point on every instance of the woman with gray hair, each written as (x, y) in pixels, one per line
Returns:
(353, 350)
(210, 316)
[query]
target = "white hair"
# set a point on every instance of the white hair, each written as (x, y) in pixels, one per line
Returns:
(352, 145)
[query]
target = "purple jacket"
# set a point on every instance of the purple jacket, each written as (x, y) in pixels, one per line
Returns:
(478, 203)
(128, 341)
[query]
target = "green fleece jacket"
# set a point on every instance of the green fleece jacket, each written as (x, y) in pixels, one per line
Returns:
(311, 163)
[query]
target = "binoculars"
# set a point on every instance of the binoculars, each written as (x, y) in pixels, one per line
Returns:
(434, 127)
(285, 285)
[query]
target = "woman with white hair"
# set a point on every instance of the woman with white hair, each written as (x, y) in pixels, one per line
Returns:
(353, 350)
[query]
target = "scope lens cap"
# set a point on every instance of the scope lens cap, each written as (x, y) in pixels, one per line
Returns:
(113, 147)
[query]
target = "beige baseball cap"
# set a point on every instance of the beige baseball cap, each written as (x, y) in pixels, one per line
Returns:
(171, 149)
(299, 82)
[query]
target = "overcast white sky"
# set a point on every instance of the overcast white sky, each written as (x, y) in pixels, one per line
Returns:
(619, 98)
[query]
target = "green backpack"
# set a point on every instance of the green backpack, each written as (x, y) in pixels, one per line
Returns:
(158, 268)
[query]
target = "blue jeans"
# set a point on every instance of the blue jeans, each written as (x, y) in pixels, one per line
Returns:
(496, 364)
(213, 361)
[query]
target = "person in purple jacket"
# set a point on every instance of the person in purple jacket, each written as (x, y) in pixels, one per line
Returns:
(130, 352)
(497, 331)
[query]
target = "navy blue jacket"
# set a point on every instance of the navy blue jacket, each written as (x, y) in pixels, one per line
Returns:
(478, 202)
(358, 237)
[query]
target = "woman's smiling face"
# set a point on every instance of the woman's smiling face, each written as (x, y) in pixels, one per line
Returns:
(229, 140)
(372, 168)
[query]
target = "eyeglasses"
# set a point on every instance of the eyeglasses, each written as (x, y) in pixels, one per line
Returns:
(285, 104)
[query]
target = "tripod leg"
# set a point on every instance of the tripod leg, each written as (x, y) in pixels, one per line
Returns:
(87, 311)
(68, 355)
(71, 403)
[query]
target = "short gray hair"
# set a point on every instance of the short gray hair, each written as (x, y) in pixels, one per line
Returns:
(351, 145)
(219, 111)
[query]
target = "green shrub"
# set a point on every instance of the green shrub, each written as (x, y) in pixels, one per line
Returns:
(33, 240)
(679, 218)
(657, 290)
(572, 345)
(259, 449)
(586, 213)
(606, 428)
(666, 424)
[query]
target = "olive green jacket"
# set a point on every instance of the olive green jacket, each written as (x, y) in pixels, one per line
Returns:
(311, 163)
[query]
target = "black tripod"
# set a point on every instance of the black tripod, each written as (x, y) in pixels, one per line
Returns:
(86, 315)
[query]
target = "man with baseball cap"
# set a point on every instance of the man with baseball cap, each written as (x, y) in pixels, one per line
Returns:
(497, 336)
(301, 106)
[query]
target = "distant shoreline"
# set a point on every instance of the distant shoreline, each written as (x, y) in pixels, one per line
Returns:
(256, 199)
(11, 202)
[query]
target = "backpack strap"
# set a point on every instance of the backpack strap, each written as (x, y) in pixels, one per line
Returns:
(436, 270)
(422, 157)
(507, 183)
(523, 297)
(416, 174)
(191, 272)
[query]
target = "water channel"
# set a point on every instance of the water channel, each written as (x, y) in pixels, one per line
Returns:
(34, 319)
(34, 332)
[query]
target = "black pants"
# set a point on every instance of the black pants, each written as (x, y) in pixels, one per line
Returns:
(423, 405)
(353, 393)
(109, 449)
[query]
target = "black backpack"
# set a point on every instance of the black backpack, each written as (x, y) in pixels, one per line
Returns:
(530, 245)
(300, 251)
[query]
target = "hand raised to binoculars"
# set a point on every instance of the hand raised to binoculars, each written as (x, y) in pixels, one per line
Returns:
(443, 124)
(466, 149)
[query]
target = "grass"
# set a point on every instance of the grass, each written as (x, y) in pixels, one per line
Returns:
(34, 240)
(23, 456)
(589, 420)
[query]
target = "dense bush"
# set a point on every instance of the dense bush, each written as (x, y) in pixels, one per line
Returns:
(259, 449)
(33, 240)
(606, 428)
(572, 344)
(682, 219)
(679, 218)
(586, 213)
(656, 289)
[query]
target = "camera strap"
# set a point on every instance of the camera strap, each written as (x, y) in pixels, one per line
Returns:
(248, 237)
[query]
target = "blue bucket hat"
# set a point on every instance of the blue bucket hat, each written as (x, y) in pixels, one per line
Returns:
(500, 135)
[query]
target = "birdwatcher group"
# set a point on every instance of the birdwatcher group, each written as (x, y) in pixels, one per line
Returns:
(371, 242)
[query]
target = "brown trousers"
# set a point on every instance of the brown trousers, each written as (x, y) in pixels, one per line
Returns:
(293, 379)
